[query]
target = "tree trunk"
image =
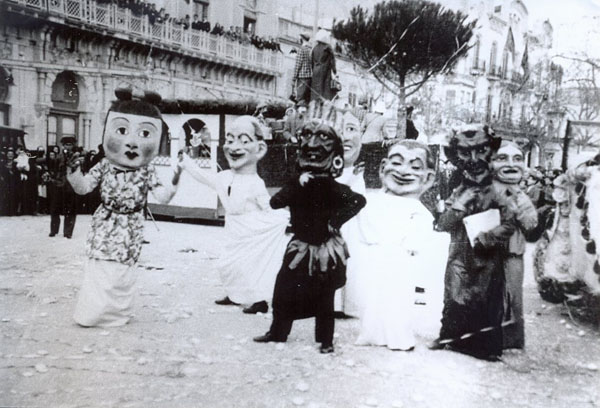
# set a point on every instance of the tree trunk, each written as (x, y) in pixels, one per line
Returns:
(401, 113)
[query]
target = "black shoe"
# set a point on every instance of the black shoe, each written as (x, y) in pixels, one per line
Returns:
(268, 338)
(226, 302)
(258, 307)
(326, 348)
(52, 234)
(68, 236)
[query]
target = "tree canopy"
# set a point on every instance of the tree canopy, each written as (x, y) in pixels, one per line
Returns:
(405, 42)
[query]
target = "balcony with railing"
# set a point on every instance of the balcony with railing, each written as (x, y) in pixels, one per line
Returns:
(495, 72)
(478, 67)
(122, 21)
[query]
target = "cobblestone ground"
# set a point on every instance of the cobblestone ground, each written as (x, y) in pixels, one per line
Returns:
(182, 350)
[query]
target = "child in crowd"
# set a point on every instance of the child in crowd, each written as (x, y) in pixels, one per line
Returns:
(314, 265)
(132, 132)
(255, 233)
(400, 258)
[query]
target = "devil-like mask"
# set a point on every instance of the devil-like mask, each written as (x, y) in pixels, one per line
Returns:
(471, 150)
(321, 150)
(508, 164)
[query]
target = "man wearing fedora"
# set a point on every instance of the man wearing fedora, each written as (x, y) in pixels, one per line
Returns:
(303, 71)
(63, 200)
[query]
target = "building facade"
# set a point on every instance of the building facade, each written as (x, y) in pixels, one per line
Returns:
(61, 60)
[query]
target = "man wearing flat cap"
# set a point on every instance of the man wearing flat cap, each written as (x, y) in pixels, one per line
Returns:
(63, 200)
(303, 71)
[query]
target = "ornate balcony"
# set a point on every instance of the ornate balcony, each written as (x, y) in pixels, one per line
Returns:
(123, 22)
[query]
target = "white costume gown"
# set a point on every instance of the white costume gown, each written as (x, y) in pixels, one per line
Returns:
(346, 298)
(399, 251)
(256, 240)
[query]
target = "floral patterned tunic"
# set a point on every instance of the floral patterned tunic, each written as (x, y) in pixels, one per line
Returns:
(117, 225)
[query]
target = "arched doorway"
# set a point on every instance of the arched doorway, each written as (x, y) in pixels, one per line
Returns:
(5, 81)
(63, 119)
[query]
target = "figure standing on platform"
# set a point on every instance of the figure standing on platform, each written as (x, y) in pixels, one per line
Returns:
(132, 133)
(323, 67)
(303, 72)
(255, 233)
(314, 265)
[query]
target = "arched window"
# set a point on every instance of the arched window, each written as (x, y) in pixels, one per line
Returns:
(5, 81)
(476, 51)
(65, 93)
(63, 119)
(493, 53)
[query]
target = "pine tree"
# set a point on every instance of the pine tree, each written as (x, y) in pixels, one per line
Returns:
(403, 43)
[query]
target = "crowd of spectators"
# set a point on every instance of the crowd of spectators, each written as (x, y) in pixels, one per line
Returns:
(160, 16)
(31, 181)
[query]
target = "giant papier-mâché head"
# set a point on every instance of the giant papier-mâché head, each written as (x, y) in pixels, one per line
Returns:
(470, 149)
(133, 129)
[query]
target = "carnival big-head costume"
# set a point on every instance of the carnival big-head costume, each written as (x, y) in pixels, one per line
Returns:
(133, 129)
(508, 163)
(244, 145)
(321, 149)
(408, 170)
(351, 132)
(470, 150)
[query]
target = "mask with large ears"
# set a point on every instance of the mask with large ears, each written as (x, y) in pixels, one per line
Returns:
(244, 145)
(408, 170)
(132, 130)
(508, 163)
(470, 150)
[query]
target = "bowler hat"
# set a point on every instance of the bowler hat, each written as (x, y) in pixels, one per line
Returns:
(68, 139)
(304, 37)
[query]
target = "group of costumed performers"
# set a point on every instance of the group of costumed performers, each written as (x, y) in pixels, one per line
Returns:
(566, 261)
(484, 218)
(132, 133)
(314, 265)
(406, 270)
(255, 233)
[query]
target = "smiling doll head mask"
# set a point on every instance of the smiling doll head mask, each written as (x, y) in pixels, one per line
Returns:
(408, 170)
(244, 145)
(132, 130)
(470, 150)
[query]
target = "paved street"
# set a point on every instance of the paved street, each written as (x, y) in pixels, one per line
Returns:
(182, 350)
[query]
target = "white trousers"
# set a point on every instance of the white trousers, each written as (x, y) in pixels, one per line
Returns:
(106, 295)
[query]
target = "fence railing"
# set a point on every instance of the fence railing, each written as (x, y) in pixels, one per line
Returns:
(123, 20)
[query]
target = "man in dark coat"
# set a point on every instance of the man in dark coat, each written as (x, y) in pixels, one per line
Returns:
(323, 65)
(63, 200)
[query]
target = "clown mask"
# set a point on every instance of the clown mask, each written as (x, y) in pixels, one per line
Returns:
(244, 146)
(508, 164)
(321, 149)
(471, 151)
(351, 138)
(405, 171)
(131, 141)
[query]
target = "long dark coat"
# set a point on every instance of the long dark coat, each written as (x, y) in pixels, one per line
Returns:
(323, 64)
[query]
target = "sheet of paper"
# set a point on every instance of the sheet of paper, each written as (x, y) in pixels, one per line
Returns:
(481, 222)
